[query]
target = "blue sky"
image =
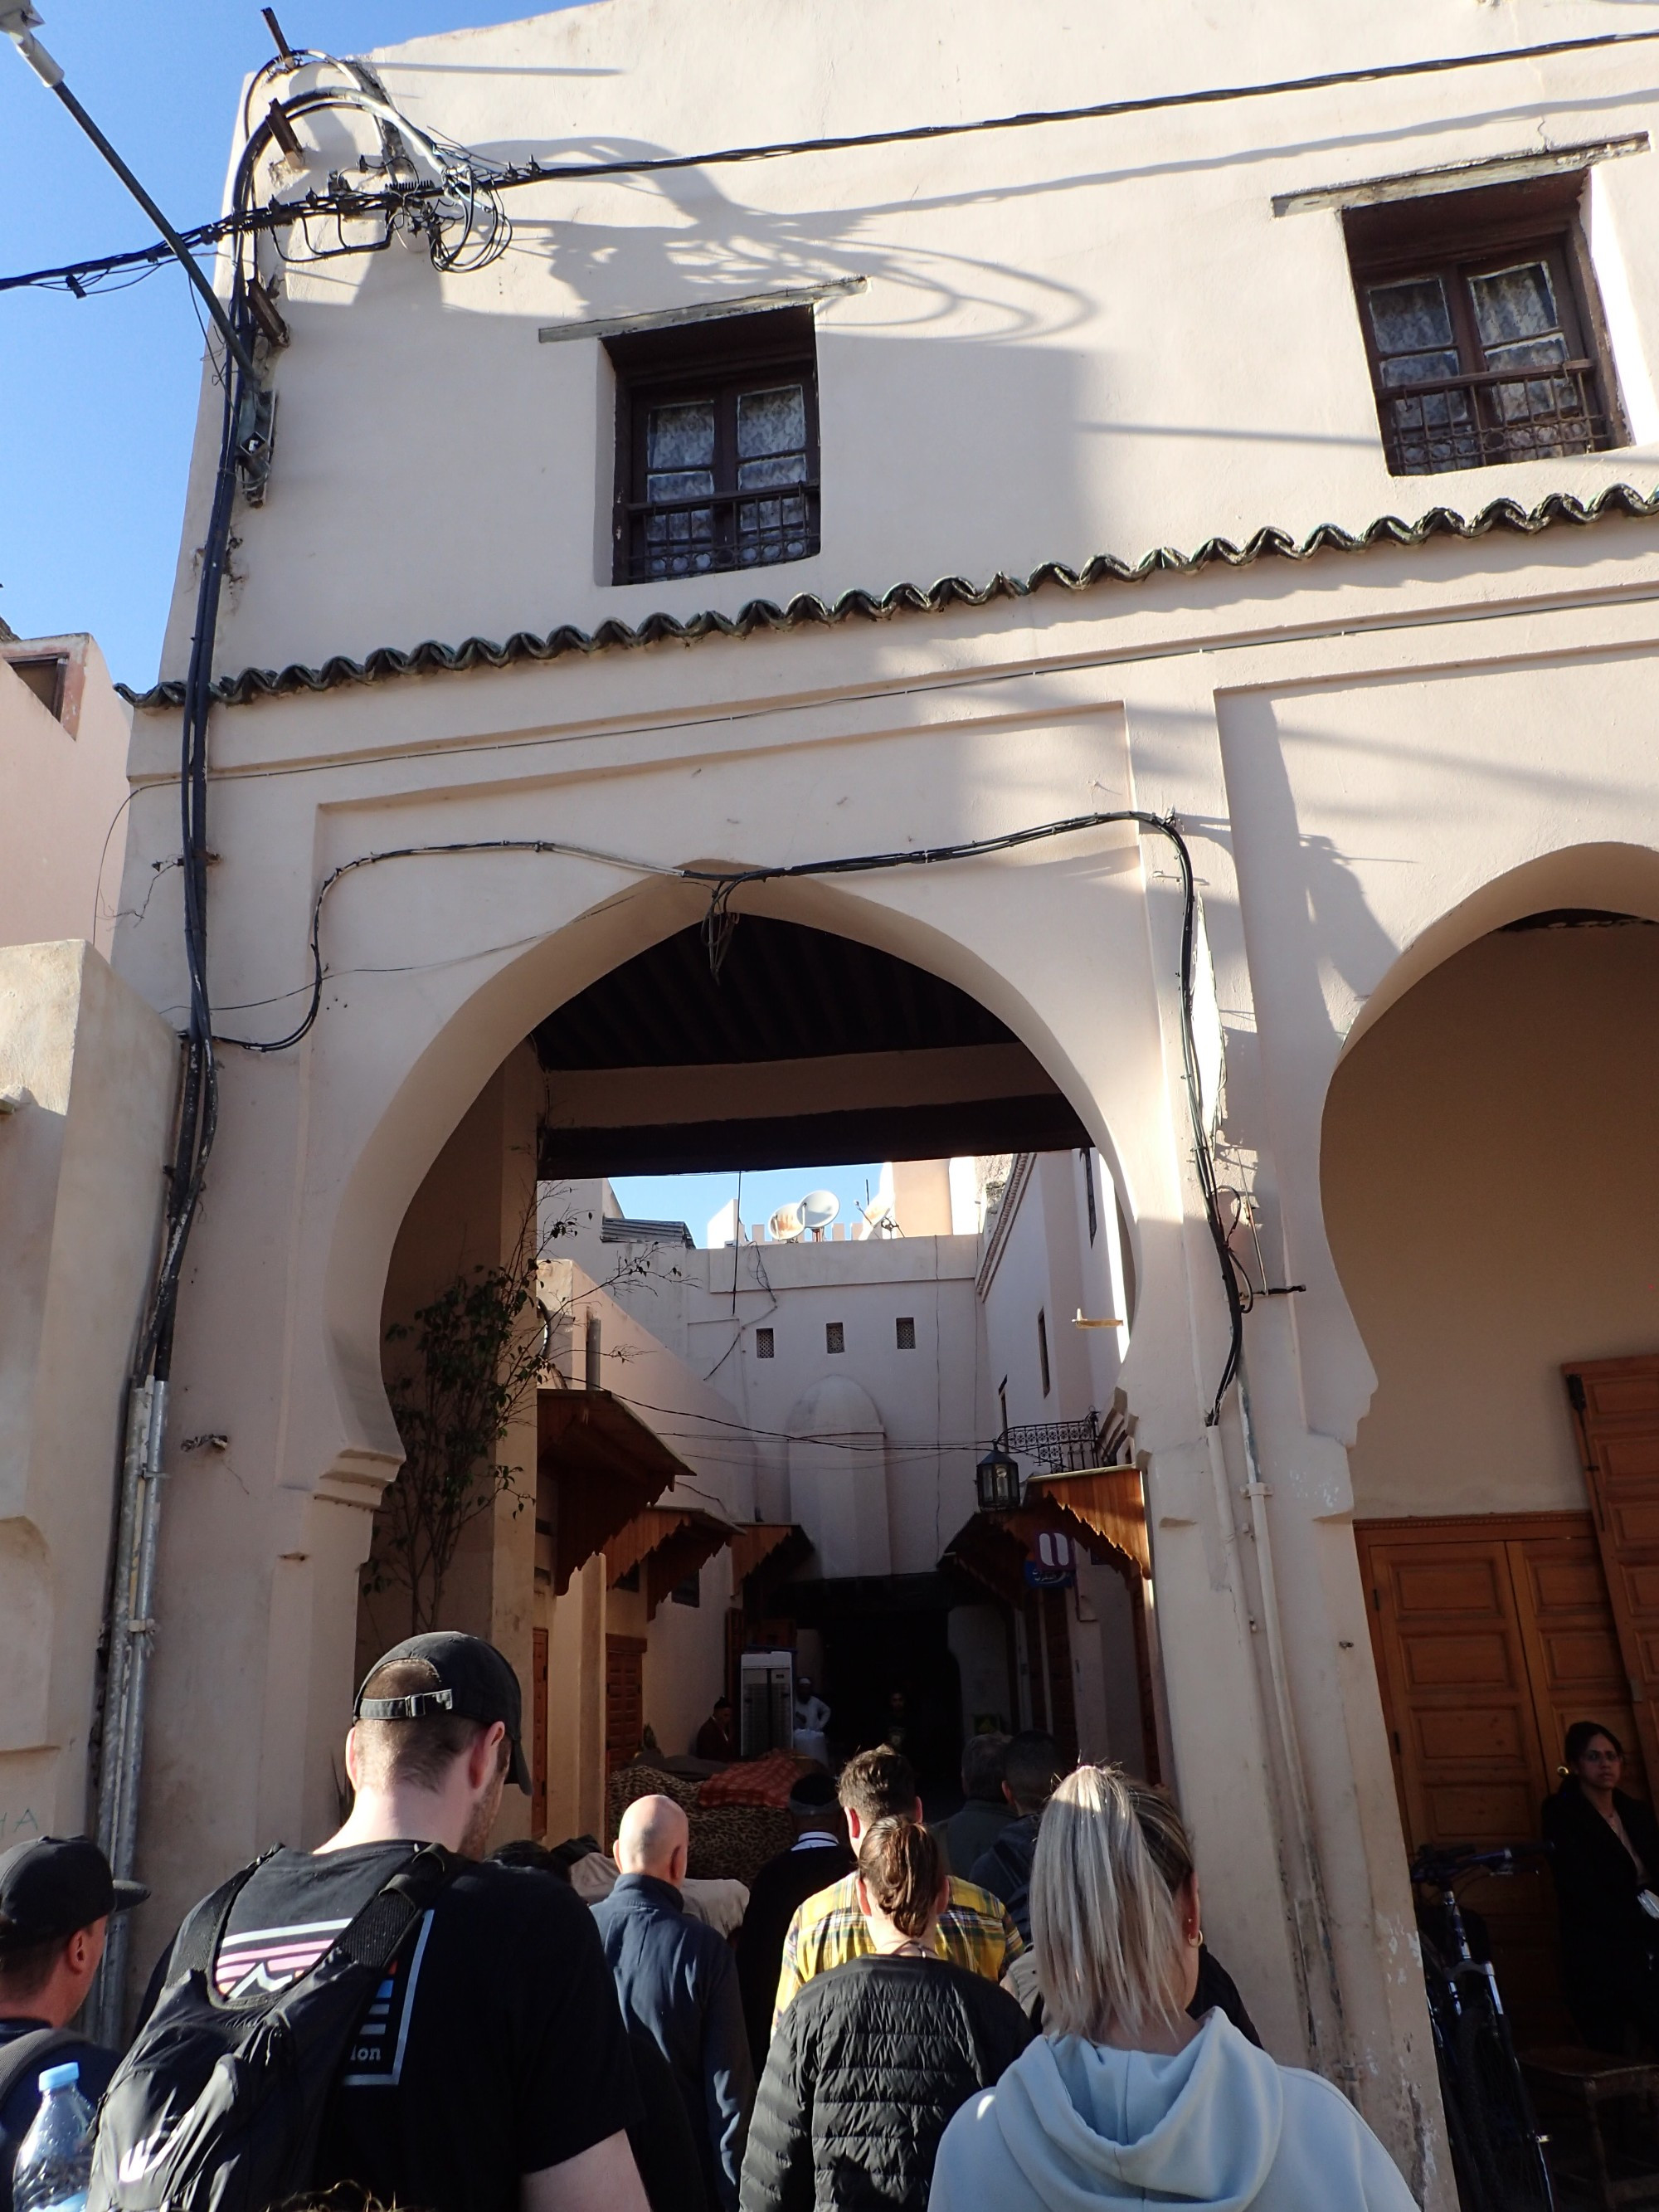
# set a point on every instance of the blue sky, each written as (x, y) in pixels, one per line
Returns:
(695, 1199)
(100, 394)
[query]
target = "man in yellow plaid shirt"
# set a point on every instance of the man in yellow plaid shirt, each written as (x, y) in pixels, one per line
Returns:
(973, 1930)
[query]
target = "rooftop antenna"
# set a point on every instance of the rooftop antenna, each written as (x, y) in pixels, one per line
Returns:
(786, 1226)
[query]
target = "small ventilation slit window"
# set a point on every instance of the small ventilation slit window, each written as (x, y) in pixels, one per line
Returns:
(835, 1336)
(904, 1332)
(763, 1344)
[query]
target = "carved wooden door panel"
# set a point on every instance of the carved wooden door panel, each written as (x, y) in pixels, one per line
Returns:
(1492, 1634)
(624, 1698)
(1615, 1405)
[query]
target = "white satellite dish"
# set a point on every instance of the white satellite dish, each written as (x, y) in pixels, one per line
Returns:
(817, 1210)
(785, 1225)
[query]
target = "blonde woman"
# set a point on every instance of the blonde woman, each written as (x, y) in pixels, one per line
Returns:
(1124, 2099)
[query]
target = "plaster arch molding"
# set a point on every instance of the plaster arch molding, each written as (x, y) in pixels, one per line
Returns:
(1617, 878)
(407, 1080)
(838, 1477)
(1614, 878)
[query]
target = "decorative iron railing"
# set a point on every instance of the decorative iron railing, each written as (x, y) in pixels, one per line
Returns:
(741, 530)
(1069, 1447)
(1470, 421)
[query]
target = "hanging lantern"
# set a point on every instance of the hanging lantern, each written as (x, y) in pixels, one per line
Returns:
(997, 1478)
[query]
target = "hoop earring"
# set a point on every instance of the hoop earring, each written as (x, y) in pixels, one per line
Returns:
(1195, 1937)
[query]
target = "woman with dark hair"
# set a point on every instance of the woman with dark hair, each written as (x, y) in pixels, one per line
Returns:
(1606, 1864)
(870, 2061)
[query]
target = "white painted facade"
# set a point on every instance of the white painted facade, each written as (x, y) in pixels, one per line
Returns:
(1084, 338)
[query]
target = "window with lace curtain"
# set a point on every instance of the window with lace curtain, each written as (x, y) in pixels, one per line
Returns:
(717, 446)
(1483, 327)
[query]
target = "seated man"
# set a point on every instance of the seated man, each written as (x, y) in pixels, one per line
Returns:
(55, 1897)
(972, 1931)
(812, 1719)
(715, 1739)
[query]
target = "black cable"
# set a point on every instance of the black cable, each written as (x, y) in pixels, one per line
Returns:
(719, 922)
(505, 177)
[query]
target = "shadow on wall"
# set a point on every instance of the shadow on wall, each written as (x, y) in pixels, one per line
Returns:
(1491, 1214)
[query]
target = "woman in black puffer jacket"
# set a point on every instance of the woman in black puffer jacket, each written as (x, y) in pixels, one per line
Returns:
(870, 2062)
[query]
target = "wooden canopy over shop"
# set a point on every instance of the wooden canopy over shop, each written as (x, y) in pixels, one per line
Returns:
(671, 1542)
(764, 1554)
(597, 1466)
(1107, 1503)
(1103, 1510)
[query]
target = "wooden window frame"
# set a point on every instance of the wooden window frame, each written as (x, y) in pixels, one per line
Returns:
(1451, 235)
(718, 360)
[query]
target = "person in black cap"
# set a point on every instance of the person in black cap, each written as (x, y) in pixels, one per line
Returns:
(817, 1856)
(55, 1897)
(491, 2072)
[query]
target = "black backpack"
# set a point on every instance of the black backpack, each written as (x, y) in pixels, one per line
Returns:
(218, 2107)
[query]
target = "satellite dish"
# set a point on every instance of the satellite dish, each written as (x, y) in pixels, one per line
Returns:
(785, 1225)
(817, 1210)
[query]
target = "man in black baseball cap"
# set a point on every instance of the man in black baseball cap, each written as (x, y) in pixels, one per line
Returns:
(491, 2072)
(55, 1897)
(470, 1680)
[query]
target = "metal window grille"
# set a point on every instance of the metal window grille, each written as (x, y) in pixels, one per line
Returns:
(1483, 339)
(835, 1336)
(904, 1332)
(1069, 1447)
(763, 1346)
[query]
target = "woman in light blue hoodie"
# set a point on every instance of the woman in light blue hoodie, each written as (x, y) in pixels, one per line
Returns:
(1123, 2100)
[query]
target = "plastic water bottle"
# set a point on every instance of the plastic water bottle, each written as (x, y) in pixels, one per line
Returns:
(55, 2162)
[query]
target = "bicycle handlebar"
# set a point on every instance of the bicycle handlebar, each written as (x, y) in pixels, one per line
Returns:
(1439, 1868)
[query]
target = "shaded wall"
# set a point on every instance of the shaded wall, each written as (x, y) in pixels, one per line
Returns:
(1491, 1204)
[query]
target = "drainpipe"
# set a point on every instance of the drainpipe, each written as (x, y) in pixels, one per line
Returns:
(129, 1640)
(1316, 1958)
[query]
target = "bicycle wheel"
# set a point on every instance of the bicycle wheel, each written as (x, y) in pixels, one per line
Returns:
(1497, 2112)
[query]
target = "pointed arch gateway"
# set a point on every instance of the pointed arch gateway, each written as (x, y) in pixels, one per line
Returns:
(794, 1041)
(1492, 1227)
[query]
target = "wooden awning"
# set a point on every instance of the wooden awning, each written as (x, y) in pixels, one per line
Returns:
(671, 1542)
(763, 1553)
(1102, 1510)
(1107, 1503)
(597, 1466)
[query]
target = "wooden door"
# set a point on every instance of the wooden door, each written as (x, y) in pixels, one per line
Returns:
(1615, 1407)
(624, 1698)
(1492, 1635)
(538, 1732)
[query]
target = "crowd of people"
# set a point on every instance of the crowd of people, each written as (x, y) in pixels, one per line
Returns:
(462, 2033)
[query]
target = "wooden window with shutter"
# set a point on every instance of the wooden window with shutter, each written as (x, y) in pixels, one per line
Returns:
(1483, 327)
(717, 446)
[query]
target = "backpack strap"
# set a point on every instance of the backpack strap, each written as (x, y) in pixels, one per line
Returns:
(196, 1946)
(28, 2051)
(373, 1937)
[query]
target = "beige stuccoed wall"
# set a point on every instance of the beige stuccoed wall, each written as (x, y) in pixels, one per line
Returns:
(65, 780)
(1491, 1204)
(80, 1207)
(1363, 748)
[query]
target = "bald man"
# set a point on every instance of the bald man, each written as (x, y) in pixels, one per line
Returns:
(677, 1980)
